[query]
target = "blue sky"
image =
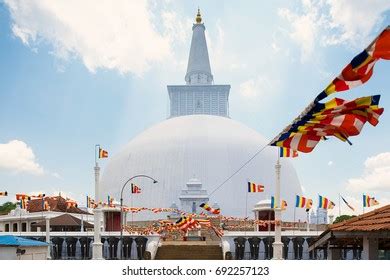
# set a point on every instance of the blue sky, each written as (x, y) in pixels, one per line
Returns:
(76, 74)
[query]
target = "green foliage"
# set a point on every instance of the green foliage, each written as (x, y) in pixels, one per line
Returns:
(343, 218)
(7, 207)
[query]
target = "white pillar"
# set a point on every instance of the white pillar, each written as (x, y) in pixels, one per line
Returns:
(278, 245)
(48, 236)
(97, 246)
(370, 248)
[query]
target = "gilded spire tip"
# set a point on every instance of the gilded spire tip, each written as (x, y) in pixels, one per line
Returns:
(198, 18)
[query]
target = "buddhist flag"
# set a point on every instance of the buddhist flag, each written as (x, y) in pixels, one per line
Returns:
(350, 207)
(284, 205)
(369, 201)
(300, 201)
(103, 153)
(22, 196)
(252, 187)
(210, 209)
(135, 188)
(325, 203)
(23, 203)
(360, 69)
(70, 203)
(3, 193)
(309, 204)
(274, 205)
(286, 152)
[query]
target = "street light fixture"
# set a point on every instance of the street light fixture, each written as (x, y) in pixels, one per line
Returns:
(121, 216)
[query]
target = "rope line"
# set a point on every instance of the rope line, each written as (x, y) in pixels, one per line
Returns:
(239, 169)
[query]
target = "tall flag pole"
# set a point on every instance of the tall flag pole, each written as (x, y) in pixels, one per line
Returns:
(97, 246)
(252, 187)
(278, 245)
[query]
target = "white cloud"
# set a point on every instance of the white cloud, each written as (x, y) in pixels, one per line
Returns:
(261, 85)
(118, 35)
(18, 157)
(332, 22)
(375, 177)
(330, 163)
(355, 19)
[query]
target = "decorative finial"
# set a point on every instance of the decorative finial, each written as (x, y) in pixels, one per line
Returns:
(198, 18)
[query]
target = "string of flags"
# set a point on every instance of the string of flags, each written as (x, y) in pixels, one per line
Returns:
(210, 209)
(3, 193)
(337, 117)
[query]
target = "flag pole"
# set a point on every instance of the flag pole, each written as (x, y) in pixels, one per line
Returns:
(132, 210)
(294, 216)
(97, 246)
(339, 205)
(246, 207)
(278, 245)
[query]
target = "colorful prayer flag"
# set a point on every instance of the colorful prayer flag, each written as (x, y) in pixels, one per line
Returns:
(286, 152)
(309, 204)
(3, 193)
(366, 201)
(360, 69)
(135, 189)
(103, 153)
(325, 203)
(284, 205)
(320, 120)
(70, 203)
(210, 209)
(274, 205)
(300, 201)
(252, 187)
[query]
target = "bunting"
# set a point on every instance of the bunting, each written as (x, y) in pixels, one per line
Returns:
(70, 203)
(339, 118)
(360, 69)
(210, 209)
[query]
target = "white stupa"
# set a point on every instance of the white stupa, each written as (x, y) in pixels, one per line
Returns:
(199, 140)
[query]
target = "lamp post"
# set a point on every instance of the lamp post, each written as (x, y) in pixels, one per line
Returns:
(121, 216)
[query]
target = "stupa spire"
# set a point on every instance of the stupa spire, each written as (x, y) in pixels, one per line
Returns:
(198, 69)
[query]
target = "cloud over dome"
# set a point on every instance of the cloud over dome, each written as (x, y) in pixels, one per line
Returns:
(117, 35)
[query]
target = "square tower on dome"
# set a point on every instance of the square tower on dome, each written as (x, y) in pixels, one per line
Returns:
(199, 95)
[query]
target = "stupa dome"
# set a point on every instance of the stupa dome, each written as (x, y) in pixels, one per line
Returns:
(207, 147)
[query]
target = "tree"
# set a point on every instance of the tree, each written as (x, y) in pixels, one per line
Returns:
(343, 218)
(6, 207)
